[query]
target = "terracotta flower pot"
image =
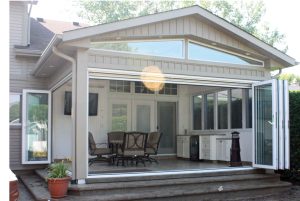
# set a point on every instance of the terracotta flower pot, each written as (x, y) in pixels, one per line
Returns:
(58, 187)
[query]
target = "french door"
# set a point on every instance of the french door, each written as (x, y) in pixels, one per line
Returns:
(270, 124)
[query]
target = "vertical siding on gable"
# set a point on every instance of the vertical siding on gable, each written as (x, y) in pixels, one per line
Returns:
(187, 25)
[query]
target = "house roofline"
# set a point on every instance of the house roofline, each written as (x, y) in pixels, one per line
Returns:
(138, 21)
(57, 38)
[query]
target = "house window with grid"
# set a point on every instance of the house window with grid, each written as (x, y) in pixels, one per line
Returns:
(141, 88)
(119, 86)
(169, 89)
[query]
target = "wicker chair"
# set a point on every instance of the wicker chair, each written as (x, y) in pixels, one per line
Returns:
(152, 145)
(96, 150)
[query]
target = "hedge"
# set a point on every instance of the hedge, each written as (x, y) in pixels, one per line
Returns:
(293, 174)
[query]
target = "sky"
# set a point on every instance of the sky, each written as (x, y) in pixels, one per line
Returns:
(282, 15)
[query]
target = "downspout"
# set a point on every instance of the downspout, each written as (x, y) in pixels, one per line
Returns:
(278, 74)
(73, 115)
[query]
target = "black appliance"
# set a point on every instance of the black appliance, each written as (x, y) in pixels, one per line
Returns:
(194, 148)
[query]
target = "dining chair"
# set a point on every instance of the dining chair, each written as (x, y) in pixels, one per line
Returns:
(96, 150)
(133, 148)
(152, 146)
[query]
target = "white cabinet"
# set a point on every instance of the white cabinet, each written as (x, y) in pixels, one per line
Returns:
(223, 149)
(204, 148)
(183, 146)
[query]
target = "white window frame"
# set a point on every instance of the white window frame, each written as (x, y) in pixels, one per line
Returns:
(24, 119)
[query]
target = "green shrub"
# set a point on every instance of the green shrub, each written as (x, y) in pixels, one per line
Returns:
(293, 174)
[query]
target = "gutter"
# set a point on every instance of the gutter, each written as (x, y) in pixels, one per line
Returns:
(74, 104)
(57, 38)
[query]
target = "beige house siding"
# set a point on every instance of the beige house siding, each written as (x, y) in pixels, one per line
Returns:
(20, 76)
(120, 61)
(188, 25)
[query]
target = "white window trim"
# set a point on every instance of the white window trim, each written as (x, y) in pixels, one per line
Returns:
(24, 119)
(21, 112)
(226, 51)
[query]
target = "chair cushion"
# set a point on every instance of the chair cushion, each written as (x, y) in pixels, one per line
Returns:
(101, 151)
(150, 150)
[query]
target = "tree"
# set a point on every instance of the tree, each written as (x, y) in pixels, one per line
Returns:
(245, 14)
(291, 78)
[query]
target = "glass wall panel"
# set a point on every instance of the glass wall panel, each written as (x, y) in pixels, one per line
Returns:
(209, 111)
(222, 109)
(165, 48)
(236, 108)
(15, 108)
(248, 108)
(263, 128)
(119, 117)
(36, 135)
(203, 53)
(197, 109)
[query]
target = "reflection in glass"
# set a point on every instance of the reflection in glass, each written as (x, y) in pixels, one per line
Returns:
(199, 52)
(119, 86)
(37, 127)
(209, 111)
(171, 48)
(222, 109)
(169, 89)
(119, 117)
(197, 107)
(236, 108)
(263, 128)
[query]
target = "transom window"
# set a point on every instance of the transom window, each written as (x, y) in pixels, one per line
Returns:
(141, 88)
(165, 48)
(169, 89)
(203, 53)
(119, 86)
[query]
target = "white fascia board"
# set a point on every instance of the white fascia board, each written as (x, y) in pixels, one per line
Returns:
(46, 53)
(125, 24)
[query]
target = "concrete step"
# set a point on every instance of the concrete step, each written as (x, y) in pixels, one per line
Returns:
(216, 191)
(155, 185)
(112, 178)
(36, 186)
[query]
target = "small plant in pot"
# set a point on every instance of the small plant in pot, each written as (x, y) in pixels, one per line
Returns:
(58, 179)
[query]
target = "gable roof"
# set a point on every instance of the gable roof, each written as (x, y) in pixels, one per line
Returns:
(194, 10)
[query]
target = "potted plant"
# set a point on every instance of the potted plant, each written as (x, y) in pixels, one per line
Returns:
(58, 179)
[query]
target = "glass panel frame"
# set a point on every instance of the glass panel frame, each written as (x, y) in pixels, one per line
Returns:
(40, 142)
(209, 111)
(197, 112)
(258, 144)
